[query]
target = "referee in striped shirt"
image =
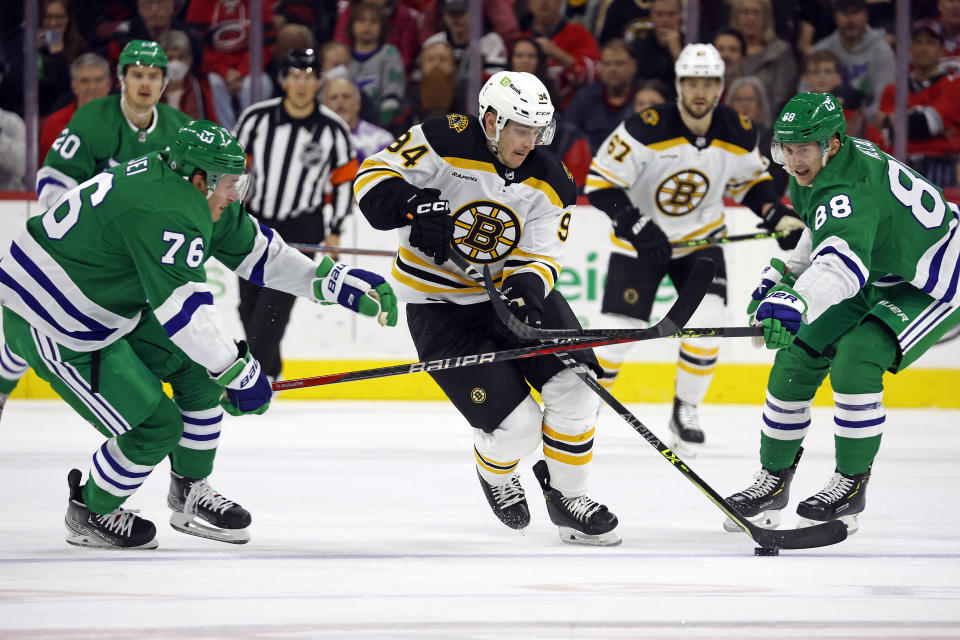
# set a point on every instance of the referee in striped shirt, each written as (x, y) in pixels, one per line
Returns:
(299, 151)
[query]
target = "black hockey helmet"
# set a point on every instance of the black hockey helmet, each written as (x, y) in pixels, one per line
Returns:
(300, 59)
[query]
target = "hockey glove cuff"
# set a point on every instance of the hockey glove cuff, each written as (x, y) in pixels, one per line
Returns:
(246, 388)
(431, 227)
(359, 290)
(783, 219)
(653, 247)
(525, 293)
(780, 313)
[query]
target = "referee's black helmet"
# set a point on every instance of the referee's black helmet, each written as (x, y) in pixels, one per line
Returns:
(300, 59)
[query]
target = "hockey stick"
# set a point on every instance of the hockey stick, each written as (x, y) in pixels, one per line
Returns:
(568, 344)
(317, 248)
(709, 242)
(819, 535)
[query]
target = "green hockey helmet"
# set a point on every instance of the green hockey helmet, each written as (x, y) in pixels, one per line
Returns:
(808, 117)
(205, 146)
(143, 53)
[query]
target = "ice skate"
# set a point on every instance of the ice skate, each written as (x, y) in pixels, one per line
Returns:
(580, 519)
(508, 501)
(844, 498)
(685, 427)
(761, 502)
(119, 529)
(199, 510)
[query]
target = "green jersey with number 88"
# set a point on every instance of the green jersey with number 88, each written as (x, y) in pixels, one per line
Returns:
(875, 219)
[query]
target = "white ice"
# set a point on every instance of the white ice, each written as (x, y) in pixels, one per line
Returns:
(369, 523)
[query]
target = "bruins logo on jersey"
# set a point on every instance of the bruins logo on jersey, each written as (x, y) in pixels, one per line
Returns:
(457, 122)
(681, 192)
(485, 231)
(650, 116)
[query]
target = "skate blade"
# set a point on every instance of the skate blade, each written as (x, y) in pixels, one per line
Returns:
(685, 449)
(765, 520)
(80, 540)
(191, 525)
(572, 536)
(852, 523)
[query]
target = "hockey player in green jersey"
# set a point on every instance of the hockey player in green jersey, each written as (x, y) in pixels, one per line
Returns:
(116, 128)
(869, 288)
(100, 135)
(105, 294)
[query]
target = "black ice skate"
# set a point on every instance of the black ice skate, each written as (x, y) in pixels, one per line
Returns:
(685, 427)
(581, 520)
(761, 502)
(508, 501)
(119, 529)
(200, 511)
(844, 497)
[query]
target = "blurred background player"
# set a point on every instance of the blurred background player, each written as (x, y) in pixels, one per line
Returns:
(869, 288)
(299, 150)
(121, 296)
(661, 176)
(482, 188)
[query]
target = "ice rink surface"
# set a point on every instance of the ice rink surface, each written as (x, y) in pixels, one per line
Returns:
(369, 523)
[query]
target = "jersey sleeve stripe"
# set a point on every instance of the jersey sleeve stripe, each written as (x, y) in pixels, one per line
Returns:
(599, 183)
(603, 173)
(519, 253)
(533, 267)
(184, 313)
(372, 177)
(934, 274)
(739, 189)
(838, 247)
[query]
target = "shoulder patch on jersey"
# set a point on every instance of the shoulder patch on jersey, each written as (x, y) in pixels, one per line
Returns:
(567, 171)
(650, 116)
(467, 142)
(656, 124)
(730, 127)
(457, 122)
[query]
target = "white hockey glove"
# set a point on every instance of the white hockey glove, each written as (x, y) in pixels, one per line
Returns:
(361, 291)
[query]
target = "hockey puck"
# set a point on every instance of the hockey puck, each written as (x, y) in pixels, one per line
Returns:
(766, 551)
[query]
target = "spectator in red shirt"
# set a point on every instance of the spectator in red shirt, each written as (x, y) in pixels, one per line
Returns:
(572, 51)
(950, 21)
(933, 108)
(403, 31)
(89, 79)
(185, 91)
(225, 25)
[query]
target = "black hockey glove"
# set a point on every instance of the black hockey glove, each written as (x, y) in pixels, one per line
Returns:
(431, 227)
(525, 293)
(647, 238)
(783, 218)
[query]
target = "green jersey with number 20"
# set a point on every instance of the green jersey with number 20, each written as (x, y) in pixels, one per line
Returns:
(872, 219)
(99, 136)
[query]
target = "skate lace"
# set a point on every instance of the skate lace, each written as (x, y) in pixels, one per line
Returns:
(508, 494)
(581, 507)
(119, 521)
(687, 416)
(838, 486)
(202, 494)
(763, 483)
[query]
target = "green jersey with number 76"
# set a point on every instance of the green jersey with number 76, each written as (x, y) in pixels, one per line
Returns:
(875, 220)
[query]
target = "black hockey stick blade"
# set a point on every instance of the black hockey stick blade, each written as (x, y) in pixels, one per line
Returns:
(688, 299)
(821, 535)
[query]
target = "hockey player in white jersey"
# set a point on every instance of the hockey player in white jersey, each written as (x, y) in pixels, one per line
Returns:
(661, 176)
(483, 188)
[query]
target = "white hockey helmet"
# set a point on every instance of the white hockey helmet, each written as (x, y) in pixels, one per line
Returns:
(521, 97)
(699, 61)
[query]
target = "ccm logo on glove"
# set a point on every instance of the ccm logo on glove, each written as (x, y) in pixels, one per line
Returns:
(428, 207)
